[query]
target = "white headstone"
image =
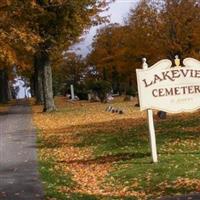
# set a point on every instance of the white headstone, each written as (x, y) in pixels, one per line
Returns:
(72, 92)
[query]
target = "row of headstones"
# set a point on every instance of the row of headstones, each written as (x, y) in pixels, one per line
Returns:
(114, 110)
(161, 114)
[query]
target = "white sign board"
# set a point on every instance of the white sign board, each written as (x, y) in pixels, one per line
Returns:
(171, 89)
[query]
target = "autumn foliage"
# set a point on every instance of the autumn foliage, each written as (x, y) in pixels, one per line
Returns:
(155, 30)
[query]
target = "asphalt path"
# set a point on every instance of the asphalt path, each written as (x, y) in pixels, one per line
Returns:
(19, 177)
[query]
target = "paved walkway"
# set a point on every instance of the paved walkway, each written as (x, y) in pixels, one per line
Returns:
(19, 179)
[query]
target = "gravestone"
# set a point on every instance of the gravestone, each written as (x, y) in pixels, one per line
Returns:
(72, 92)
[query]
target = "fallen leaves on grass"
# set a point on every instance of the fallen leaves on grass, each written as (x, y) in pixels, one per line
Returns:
(187, 183)
(61, 135)
(60, 132)
(181, 184)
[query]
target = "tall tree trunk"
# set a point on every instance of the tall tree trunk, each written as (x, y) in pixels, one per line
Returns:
(32, 85)
(9, 91)
(3, 86)
(38, 79)
(115, 80)
(49, 105)
(105, 74)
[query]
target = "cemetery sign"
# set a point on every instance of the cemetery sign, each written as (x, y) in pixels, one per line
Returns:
(170, 88)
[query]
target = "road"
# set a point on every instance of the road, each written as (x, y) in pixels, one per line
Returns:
(19, 177)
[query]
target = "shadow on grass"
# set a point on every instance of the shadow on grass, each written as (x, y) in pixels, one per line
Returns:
(108, 158)
(122, 136)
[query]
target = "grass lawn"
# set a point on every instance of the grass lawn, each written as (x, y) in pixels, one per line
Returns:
(87, 153)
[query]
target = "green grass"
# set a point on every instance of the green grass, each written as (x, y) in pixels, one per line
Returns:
(53, 180)
(130, 153)
(178, 143)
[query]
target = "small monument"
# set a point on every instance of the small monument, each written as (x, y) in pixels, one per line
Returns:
(72, 92)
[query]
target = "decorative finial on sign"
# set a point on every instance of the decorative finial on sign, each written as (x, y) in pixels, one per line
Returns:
(177, 61)
(144, 63)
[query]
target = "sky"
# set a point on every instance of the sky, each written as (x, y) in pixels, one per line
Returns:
(118, 11)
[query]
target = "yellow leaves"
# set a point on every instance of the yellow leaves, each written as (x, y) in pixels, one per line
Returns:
(17, 40)
(22, 35)
(187, 183)
(66, 137)
(89, 176)
(60, 133)
(180, 145)
(7, 55)
(181, 183)
(81, 115)
(4, 3)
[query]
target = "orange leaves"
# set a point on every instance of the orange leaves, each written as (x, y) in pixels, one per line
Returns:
(89, 176)
(7, 55)
(187, 183)
(61, 135)
(91, 144)
(21, 34)
(18, 39)
(76, 116)
(4, 3)
(182, 183)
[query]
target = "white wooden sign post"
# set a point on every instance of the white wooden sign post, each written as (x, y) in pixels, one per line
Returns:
(152, 136)
(168, 88)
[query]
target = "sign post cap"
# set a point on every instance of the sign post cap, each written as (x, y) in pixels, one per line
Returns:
(177, 60)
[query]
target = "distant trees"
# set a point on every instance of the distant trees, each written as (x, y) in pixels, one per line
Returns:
(155, 30)
(108, 55)
(181, 28)
(70, 71)
(165, 28)
(101, 88)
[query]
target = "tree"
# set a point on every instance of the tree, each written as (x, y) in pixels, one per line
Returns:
(60, 25)
(101, 88)
(181, 28)
(144, 33)
(71, 70)
(3, 85)
(160, 29)
(155, 30)
(17, 38)
(108, 55)
(42, 28)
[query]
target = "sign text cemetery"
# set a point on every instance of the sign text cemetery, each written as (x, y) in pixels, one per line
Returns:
(168, 88)
(171, 89)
